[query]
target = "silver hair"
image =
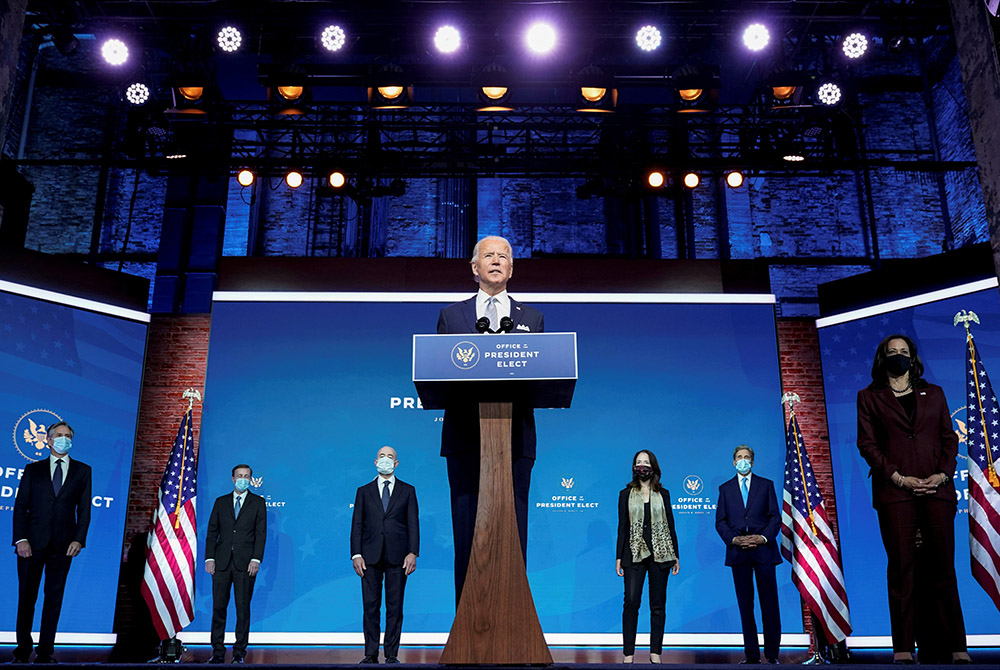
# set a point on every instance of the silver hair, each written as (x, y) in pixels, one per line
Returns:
(740, 448)
(475, 249)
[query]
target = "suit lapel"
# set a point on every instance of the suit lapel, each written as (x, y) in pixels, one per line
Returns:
(889, 400)
(376, 492)
(516, 313)
(69, 473)
(394, 497)
(754, 491)
(468, 308)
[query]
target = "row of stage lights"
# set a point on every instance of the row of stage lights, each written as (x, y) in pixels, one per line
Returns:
(539, 38)
(655, 179)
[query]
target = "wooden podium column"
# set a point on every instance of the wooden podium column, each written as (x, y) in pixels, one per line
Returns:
(496, 622)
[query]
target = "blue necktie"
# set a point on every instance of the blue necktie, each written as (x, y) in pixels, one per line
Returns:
(385, 496)
(491, 313)
(236, 511)
(57, 477)
(745, 490)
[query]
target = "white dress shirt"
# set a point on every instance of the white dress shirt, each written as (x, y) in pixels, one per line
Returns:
(503, 307)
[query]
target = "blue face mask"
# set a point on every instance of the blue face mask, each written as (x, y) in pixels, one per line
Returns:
(242, 484)
(743, 466)
(62, 444)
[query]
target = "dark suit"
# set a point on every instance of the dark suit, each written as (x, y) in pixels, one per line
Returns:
(232, 542)
(460, 442)
(890, 442)
(635, 574)
(50, 523)
(383, 538)
(760, 516)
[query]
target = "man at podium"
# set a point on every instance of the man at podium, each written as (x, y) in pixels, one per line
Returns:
(491, 310)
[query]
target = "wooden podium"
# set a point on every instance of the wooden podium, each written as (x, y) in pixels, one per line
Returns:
(496, 622)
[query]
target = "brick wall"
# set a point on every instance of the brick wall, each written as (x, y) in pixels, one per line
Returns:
(176, 354)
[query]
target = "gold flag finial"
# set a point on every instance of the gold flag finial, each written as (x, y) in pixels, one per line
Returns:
(192, 395)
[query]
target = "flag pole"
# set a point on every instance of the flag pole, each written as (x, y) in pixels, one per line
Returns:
(790, 399)
(965, 317)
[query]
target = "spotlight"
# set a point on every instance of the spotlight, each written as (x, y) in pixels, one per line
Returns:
(691, 180)
(64, 39)
(829, 94)
(137, 93)
(756, 36)
(855, 45)
(291, 93)
(333, 38)
(734, 179)
(493, 88)
(229, 39)
(114, 51)
(245, 177)
(188, 91)
(655, 179)
(648, 38)
(597, 90)
(697, 88)
(192, 93)
(337, 179)
(389, 89)
(786, 87)
(293, 179)
(447, 39)
(794, 158)
(288, 91)
(540, 38)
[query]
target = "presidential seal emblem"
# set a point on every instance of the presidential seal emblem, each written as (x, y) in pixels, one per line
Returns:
(30, 433)
(465, 355)
(693, 485)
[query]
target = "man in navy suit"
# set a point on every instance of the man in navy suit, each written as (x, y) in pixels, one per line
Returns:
(385, 542)
(748, 521)
(51, 518)
(492, 266)
(234, 548)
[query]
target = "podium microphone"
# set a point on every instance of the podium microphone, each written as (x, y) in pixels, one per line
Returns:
(482, 325)
(506, 324)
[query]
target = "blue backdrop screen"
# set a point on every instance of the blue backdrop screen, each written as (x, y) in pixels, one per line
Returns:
(61, 362)
(847, 353)
(307, 392)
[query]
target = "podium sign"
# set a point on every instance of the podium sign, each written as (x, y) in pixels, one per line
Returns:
(539, 369)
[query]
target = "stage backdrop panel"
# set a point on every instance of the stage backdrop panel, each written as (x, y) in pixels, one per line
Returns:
(306, 392)
(848, 344)
(67, 358)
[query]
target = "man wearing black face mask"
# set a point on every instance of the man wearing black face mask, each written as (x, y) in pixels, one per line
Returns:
(906, 437)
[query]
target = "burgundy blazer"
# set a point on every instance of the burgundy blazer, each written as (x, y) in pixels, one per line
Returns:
(889, 443)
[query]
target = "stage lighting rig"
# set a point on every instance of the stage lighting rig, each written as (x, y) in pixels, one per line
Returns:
(829, 93)
(447, 39)
(855, 45)
(756, 37)
(336, 179)
(288, 91)
(648, 38)
(293, 179)
(333, 38)
(734, 179)
(137, 94)
(696, 87)
(691, 180)
(785, 87)
(492, 85)
(189, 92)
(245, 177)
(656, 179)
(540, 38)
(114, 52)
(229, 39)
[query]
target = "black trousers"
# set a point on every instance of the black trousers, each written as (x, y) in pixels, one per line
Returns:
(371, 596)
(55, 565)
(241, 585)
(767, 588)
(635, 576)
(463, 477)
(898, 523)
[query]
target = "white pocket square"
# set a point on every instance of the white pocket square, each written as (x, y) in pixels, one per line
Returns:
(521, 326)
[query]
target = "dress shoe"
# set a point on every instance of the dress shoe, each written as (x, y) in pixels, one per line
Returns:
(773, 661)
(391, 659)
(369, 659)
(45, 659)
(238, 659)
(217, 659)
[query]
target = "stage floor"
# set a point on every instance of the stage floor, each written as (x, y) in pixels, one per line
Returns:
(704, 658)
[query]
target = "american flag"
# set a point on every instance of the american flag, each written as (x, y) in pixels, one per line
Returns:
(168, 582)
(808, 542)
(983, 430)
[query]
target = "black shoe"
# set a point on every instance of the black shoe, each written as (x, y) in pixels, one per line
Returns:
(217, 659)
(238, 659)
(369, 659)
(773, 661)
(45, 659)
(391, 659)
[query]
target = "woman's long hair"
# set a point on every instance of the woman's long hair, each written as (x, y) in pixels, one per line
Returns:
(880, 376)
(654, 482)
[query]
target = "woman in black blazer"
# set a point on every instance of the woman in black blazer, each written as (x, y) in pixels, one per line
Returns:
(906, 437)
(647, 543)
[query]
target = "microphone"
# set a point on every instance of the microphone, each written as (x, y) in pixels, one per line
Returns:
(482, 325)
(506, 324)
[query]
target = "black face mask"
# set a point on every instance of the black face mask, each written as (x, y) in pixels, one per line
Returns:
(643, 472)
(897, 364)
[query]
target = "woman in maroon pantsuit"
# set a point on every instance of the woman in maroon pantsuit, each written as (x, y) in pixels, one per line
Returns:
(905, 435)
